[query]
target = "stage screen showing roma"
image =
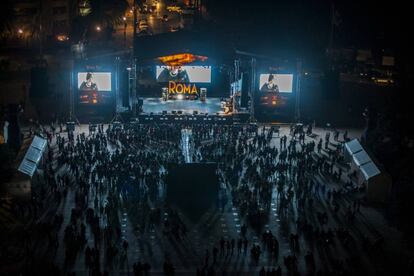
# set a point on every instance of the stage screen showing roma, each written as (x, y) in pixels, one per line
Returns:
(93, 87)
(184, 74)
(282, 83)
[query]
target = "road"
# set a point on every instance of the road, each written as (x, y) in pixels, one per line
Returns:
(124, 31)
(155, 22)
(153, 244)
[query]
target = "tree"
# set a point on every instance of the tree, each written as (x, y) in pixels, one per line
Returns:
(108, 12)
(10, 24)
(102, 13)
(6, 18)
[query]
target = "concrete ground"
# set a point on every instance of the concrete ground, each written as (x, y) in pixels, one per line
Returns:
(153, 246)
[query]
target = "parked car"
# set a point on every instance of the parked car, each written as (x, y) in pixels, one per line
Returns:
(174, 9)
(175, 28)
(143, 25)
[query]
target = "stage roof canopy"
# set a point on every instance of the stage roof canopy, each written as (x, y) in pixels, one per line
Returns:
(166, 44)
(215, 45)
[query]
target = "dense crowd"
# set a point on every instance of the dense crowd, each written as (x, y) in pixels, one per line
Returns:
(255, 170)
(112, 170)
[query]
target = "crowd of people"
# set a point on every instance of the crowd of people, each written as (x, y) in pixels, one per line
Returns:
(258, 171)
(115, 170)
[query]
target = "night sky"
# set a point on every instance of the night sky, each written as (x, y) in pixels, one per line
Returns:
(306, 24)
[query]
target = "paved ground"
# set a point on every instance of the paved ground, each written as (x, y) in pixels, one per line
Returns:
(153, 246)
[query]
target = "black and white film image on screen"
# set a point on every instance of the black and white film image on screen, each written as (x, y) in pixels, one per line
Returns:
(282, 83)
(94, 87)
(99, 81)
(184, 74)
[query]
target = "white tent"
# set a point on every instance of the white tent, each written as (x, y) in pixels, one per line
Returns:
(378, 183)
(33, 156)
(21, 184)
(369, 170)
(351, 148)
(361, 158)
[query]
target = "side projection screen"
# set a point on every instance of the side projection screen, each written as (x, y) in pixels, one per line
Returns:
(98, 81)
(94, 88)
(184, 74)
(282, 83)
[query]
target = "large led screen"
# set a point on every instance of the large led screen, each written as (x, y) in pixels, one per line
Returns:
(282, 83)
(99, 81)
(93, 87)
(184, 74)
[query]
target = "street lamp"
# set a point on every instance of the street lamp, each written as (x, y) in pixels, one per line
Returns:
(62, 37)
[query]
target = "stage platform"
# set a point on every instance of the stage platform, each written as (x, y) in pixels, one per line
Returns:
(157, 106)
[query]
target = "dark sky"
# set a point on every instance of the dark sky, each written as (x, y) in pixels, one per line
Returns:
(305, 24)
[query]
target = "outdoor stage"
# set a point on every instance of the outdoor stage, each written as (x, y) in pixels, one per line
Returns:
(157, 105)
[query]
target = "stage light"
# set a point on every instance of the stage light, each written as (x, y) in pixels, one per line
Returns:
(180, 97)
(20, 31)
(98, 28)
